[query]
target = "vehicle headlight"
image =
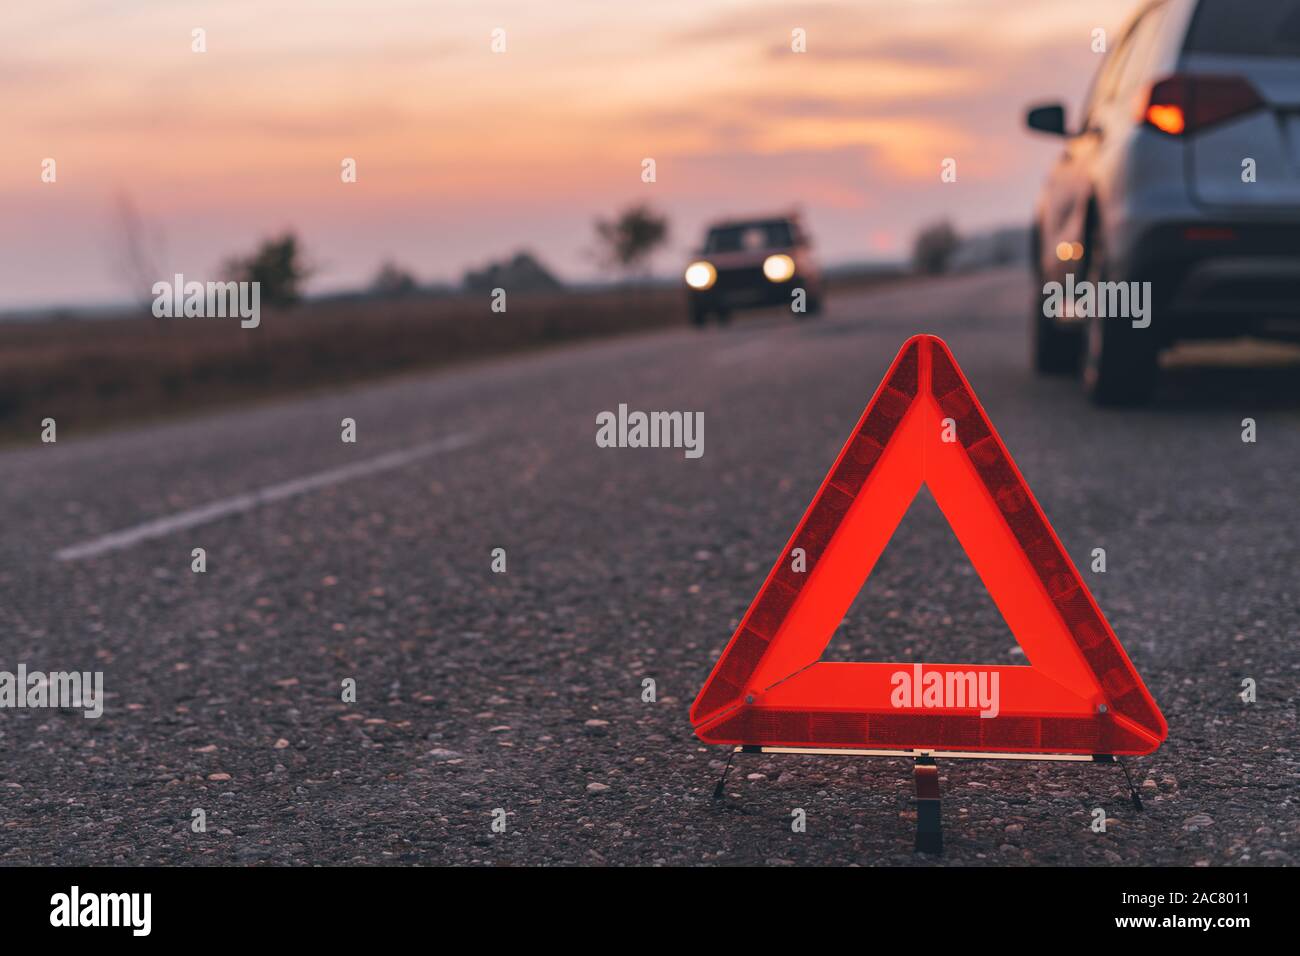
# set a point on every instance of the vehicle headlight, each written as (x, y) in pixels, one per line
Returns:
(701, 275)
(778, 268)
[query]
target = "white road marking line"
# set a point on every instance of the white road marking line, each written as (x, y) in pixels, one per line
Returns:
(213, 511)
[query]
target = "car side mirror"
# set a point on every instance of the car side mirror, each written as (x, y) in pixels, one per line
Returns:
(1047, 119)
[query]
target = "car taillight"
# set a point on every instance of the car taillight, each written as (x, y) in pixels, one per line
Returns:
(1187, 103)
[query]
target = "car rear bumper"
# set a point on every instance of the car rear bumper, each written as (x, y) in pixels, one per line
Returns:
(1221, 279)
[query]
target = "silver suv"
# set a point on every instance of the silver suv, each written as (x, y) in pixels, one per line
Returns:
(1182, 171)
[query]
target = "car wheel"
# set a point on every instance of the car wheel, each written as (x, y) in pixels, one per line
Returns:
(1119, 362)
(1055, 351)
(699, 316)
(724, 316)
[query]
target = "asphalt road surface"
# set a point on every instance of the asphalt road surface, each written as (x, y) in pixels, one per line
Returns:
(523, 691)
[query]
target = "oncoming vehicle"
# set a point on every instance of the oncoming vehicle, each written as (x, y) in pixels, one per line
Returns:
(753, 263)
(1183, 172)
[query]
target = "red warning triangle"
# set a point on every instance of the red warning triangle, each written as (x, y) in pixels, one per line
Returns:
(1079, 693)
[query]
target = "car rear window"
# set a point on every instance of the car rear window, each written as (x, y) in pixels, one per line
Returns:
(1246, 27)
(749, 236)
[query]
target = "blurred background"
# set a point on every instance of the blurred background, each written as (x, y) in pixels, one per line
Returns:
(475, 169)
(465, 157)
(381, 167)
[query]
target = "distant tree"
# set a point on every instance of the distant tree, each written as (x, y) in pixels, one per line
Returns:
(277, 265)
(933, 248)
(521, 273)
(629, 239)
(392, 282)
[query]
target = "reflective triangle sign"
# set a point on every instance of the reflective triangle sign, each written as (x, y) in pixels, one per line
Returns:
(1079, 693)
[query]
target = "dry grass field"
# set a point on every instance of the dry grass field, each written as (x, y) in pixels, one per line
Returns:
(90, 373)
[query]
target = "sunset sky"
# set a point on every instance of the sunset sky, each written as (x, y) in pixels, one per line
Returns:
(465, 155)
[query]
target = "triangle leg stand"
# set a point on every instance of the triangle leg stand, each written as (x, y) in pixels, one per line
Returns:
(925, 775)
